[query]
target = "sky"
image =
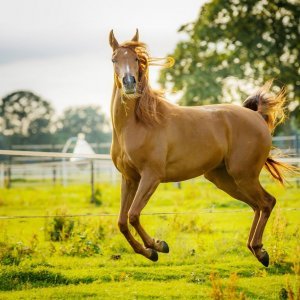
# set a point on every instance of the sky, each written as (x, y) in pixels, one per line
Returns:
(59, 48)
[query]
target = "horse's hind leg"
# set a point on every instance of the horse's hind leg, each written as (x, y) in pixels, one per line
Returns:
(246, 187)
(253, 194)
(265, 203)
(225, 182)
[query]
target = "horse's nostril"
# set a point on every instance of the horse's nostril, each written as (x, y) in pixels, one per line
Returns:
(128, 79)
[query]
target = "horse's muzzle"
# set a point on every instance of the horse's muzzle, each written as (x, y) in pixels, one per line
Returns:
(129, 84)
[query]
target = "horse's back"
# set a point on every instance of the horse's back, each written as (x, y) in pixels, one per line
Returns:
(238, 123)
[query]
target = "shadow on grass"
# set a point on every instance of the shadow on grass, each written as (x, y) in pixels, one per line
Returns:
(281, 268)
(16, 279)
(157, 276)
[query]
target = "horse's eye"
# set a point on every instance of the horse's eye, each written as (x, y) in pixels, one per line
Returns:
(113, 60)
(136, 59)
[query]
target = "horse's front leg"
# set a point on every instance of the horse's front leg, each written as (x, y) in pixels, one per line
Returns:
(128, 191)
(147, 186)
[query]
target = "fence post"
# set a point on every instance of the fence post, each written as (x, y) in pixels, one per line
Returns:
(64, 172)
(297, 144)
(178, 185)
(53, 167)
(92, 183)
(7, 174)
(54, 174)
(2, 176)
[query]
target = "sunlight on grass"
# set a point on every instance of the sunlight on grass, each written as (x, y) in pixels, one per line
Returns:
(86, 257)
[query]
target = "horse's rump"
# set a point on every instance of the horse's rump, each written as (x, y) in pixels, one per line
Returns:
(272, 109)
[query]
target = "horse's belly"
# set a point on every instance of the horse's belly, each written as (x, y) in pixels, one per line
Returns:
(191, 166)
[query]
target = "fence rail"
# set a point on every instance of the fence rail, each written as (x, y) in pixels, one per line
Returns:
(198, 212)
(67, 167)
(54, 154)
(56, 167)
(93, 156)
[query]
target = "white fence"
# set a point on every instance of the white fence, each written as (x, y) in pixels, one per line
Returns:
(62, 172)
(66, 168)
(55, 168)
(289, 145)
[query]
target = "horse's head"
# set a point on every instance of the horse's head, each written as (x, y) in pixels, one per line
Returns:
(126, 64)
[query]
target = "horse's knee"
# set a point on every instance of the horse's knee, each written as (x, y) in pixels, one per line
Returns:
(272, 202)
(268, 205)
(133, 218)
(123, 226)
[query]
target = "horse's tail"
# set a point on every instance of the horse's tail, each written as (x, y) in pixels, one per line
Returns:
(272, 109)
(276, 169)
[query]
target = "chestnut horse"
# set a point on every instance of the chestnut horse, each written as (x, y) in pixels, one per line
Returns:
(155, 141)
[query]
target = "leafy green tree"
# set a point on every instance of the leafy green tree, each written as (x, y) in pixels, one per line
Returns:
(238, 41)
(89, 120)
(25, 118)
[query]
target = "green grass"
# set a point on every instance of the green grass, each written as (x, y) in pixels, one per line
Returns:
(94, 261)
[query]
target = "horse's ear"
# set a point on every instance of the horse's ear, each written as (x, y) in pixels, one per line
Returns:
(112, 40)
(136, 36)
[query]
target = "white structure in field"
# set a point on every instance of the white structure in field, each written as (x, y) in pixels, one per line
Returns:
(82, 147)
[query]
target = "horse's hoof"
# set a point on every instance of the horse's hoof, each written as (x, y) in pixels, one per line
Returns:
(164, 247)
(153, 255)
(264, 258)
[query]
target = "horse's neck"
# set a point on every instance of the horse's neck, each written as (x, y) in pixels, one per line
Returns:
(122, 111)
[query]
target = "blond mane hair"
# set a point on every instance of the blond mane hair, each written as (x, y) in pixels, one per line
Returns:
(148, 100)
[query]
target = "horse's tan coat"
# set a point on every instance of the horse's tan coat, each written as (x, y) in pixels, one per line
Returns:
(227, 143)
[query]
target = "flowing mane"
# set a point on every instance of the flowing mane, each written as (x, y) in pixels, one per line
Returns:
(147, 106)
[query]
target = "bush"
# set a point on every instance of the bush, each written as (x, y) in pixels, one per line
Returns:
(13, 254)
(78, 238)
(60, 228)
(230, 292)
(82, 243)
(98, 198)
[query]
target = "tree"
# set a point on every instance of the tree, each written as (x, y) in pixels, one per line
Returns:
(88, 120)
(244, 41)
(25, 118)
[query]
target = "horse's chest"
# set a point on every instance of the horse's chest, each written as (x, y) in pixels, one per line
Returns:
(125, 164)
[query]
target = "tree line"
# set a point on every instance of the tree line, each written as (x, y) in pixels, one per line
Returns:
(26, 118)
(231, 46)
(235, 46)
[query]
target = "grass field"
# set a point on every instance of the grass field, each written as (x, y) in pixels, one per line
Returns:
(86, 257)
